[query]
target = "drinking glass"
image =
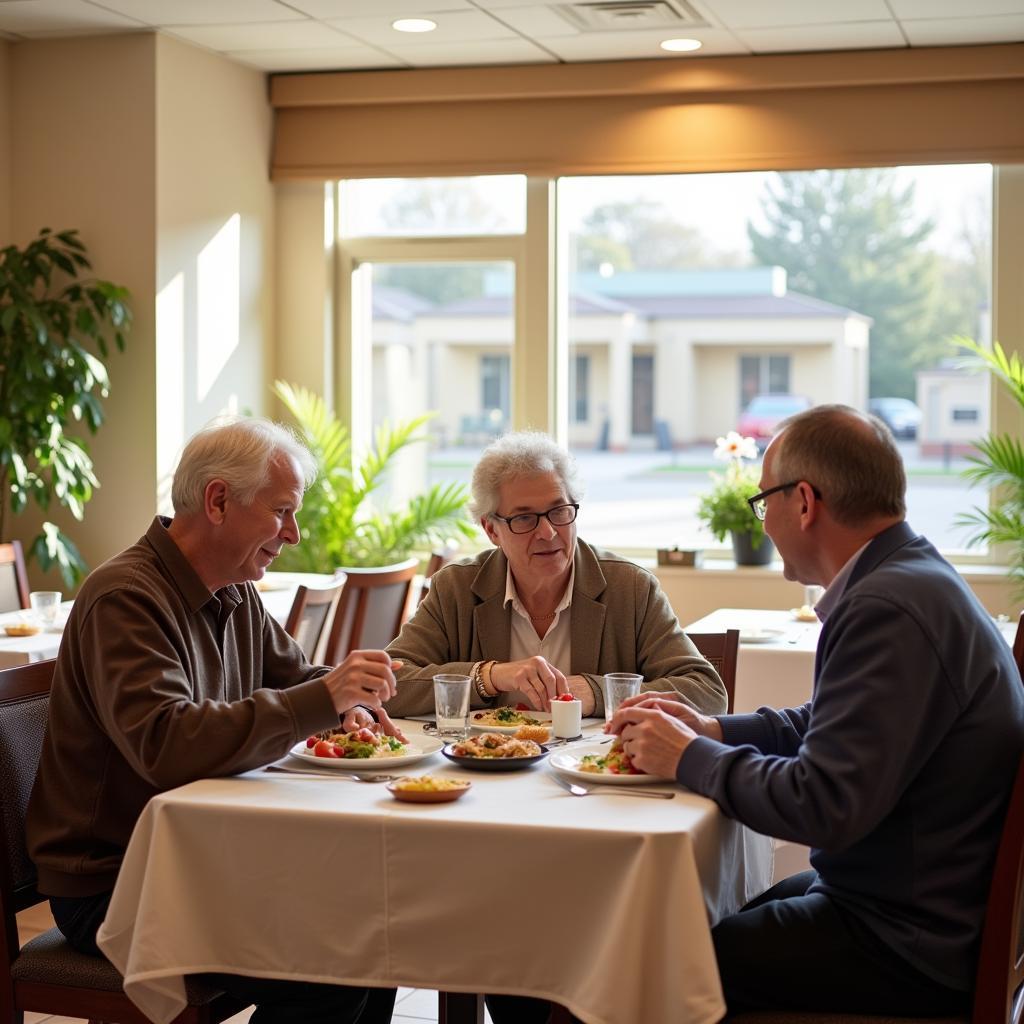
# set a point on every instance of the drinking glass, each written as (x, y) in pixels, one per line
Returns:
(618, 686)
(812, 595)
(45, 605)
(451, 706)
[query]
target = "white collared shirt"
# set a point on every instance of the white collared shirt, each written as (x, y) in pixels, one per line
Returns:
(555, 646)
(835, 589)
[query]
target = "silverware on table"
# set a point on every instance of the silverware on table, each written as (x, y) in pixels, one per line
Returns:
(609, 790)
(329, 774)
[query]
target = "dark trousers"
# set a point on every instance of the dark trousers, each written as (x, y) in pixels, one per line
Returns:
(794, 950)
(277, 1001)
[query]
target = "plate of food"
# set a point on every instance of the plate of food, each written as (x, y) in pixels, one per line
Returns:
(805, 613)
(363, 750)
(509, 720)
(494, 752)
(600, 763)
(760, 635)
(23, 628)
(428, 789)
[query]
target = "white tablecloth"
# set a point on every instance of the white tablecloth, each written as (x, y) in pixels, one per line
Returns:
(602, 903)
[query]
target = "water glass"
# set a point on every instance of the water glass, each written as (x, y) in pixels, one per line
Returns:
(451, 706)
(45, 605)
(618, 686)
(812, 595)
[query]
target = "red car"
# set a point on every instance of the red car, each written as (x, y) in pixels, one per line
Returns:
(766, 412)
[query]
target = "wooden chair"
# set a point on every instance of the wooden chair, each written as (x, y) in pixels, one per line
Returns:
(311, 616)
(722, 650)
(13, 578)
(999, 981)
(436, 561)
(373, 606)
(1018, 645)
(46, 975)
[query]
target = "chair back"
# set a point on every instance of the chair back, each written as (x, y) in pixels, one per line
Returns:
(1018, 645)
(13, 578)
(24, 704)
(373, 606)
(311, 615)
(999, 987)
(722, 650)
(437, 560)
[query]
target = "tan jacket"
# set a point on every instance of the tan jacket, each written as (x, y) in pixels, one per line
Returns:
(621, 622)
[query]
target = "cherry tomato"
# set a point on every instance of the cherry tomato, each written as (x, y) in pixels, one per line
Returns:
(311, 742)
(324, 749)
(340, 751)
(523, 707)
(564, 696)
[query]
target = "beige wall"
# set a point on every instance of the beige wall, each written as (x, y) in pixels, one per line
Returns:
(214, 244)
(148, 147)
(5, 143)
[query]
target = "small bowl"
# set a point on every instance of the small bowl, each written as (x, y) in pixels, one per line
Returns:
(427, 796)
(23, 629)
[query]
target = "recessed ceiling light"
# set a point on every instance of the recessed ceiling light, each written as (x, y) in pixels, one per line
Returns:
(414, 25)
(681, 45)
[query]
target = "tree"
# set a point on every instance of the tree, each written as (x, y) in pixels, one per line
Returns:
(639, 234)
(854, 239)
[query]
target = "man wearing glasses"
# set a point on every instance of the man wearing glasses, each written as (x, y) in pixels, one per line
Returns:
(898, 771)
(542, 613)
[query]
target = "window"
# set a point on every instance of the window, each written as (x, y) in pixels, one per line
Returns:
(494, 386)
(763, 375)
(579, 388)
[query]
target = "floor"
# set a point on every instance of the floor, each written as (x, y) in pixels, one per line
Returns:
(413, 1006)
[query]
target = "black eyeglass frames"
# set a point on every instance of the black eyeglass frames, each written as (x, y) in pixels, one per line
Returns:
(526, 522)
(757, 503)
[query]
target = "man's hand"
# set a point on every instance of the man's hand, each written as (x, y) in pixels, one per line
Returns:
(360, 718)
(364, 677)
(674, 706)
(536, 678)
(654, 740)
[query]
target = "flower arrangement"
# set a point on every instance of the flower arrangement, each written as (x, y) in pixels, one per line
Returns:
(725, 510)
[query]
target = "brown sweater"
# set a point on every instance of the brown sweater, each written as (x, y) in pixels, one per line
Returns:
(158, 683)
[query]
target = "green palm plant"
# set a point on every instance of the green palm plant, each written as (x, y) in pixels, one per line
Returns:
(999, 465)
(338, 523)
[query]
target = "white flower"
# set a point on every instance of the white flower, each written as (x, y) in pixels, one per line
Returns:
(732, 446)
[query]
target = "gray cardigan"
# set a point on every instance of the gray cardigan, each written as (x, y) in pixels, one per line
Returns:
(620, 622)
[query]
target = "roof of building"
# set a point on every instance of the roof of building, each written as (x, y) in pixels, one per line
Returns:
(398, 304)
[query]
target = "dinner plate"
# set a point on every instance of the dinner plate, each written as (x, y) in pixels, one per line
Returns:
(757, 635)
(544, 717)
(427, 796)
(419, 748)
(494, 764)
(568, 762)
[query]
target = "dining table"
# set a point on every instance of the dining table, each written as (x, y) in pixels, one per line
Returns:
(276, 590)
(603, 902)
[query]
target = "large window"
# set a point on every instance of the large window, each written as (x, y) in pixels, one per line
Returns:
(684, 298)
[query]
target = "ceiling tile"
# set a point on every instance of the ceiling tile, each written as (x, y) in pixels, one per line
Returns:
(861, 36)
(27, 17)
(1007, 28)
(451, 27)
(275, 35)
(939, 9)
(367, 8)
(347, 58)
(639, 45)
(494, 51)
(758, 14)
(536, 21)
(202, 12)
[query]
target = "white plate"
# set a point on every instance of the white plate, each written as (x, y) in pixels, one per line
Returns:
(419, 748)
(544, 717)
(568, 761)
(761, 636)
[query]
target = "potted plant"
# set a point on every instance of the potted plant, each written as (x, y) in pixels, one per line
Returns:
(55, 333)
(339, 525)
(999, 465)
(725, 510)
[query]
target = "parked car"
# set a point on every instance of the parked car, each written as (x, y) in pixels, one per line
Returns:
(900, 415)
(766, 412)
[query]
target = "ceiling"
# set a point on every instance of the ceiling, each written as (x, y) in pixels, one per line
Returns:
(312, 35)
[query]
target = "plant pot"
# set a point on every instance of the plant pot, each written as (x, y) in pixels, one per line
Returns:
(746, 554)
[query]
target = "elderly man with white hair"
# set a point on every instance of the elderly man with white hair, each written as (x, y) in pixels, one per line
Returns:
(171, 670)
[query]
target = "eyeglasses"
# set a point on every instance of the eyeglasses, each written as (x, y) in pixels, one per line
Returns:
(757, 502)
(526, 522)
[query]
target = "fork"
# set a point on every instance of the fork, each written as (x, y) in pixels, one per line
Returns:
(312, 773)
(578, 790)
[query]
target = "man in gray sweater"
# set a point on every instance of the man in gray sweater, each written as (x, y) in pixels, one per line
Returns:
(897, 772)
(171, 670)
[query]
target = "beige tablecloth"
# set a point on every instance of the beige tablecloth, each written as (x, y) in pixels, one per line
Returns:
(602, 903)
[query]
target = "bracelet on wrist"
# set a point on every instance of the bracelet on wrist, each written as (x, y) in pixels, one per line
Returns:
(481, 678)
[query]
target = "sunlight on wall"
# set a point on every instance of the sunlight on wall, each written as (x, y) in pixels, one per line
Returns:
(218, 300)
(170, 391)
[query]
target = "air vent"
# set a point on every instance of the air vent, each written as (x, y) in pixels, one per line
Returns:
(620, 15)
